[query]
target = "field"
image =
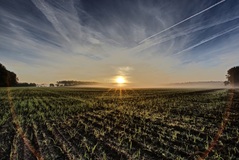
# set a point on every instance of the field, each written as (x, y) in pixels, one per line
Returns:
(76, 123)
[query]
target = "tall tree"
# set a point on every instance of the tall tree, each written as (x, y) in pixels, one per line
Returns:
(7, 78)
(233, 76)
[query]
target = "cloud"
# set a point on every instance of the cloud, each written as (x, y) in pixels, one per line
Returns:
(97, 40)
(124, 71)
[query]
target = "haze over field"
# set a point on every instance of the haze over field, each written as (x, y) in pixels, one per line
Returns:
(147, 42)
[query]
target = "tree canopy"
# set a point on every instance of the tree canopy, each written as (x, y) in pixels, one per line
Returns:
(233, 76)
(7, 78)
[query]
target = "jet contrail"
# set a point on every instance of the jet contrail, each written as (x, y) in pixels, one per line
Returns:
(207, 40)
(190, 32)
(182, 21)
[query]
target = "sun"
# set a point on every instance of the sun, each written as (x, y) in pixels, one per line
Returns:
(120, 80)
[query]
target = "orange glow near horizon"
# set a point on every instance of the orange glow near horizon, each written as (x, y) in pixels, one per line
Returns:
(120, 80)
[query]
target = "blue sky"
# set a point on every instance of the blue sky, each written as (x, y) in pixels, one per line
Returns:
(148, 42)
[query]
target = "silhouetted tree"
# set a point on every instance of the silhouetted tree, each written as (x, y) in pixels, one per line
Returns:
(233, 76)
(226, 83)
(52, 85)
(7, 78)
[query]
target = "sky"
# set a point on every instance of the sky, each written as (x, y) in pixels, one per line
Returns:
(150, 43)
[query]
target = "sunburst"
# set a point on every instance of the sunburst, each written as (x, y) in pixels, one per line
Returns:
(120, 80)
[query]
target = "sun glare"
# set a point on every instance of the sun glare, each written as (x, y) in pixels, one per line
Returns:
(120, 80)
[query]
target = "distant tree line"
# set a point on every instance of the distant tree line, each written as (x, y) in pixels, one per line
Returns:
(74, 83)
(24, 84)
(7, 78)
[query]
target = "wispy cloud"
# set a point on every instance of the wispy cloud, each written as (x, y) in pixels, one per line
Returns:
(124, 71)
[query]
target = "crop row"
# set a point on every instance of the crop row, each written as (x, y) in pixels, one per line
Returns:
(70, 123)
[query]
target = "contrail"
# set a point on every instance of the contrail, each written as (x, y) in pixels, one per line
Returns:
(207, 40)
(182, 21)
(191, 31)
